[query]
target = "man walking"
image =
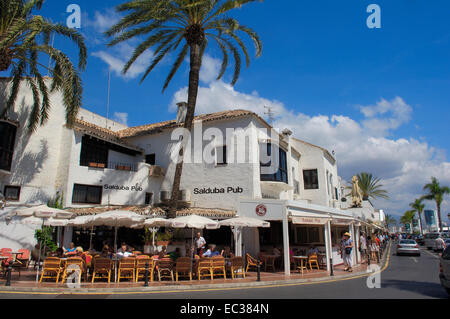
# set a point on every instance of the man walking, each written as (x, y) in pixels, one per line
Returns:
(439, 244)
(363, 247)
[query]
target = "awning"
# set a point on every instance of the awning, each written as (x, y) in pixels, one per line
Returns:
(304, 218)
(342, 220)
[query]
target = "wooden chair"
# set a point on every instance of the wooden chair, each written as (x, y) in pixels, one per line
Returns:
(127, 267)
(24, 258)
(301, 264)
(313, 259)
(141, 262)
(237, 267)
(252, 262)
(51, 269)
(165, 268)
(102, 268)
(183, 266)
(218, 266)
(269, 263)
(73, 265)
(204, 268)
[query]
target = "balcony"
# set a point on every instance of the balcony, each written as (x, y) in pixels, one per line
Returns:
(128, 167)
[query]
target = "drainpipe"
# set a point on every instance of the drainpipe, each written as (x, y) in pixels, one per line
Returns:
(287, 260)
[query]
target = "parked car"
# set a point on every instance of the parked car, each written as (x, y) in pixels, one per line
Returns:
(444, 274)
(431, 237)
(420, 240)
(408, 247)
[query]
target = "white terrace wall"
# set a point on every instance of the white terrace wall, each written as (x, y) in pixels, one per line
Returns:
(36, 156)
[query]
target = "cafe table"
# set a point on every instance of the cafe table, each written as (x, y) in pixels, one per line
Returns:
(301, 263)
(269, 261)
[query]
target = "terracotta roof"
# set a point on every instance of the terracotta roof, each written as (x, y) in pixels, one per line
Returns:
(160, 212)
(158, 127)
(102, 133)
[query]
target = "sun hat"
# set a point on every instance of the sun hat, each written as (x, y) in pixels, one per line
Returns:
(347, 234)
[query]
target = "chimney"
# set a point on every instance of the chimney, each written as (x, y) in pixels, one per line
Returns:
(181, 114)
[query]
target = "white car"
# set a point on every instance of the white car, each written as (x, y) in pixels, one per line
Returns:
(444, 274)
(408, 247)
(430, 239)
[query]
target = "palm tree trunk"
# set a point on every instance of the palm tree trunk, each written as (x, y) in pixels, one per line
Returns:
(438, 205)
(194, 74)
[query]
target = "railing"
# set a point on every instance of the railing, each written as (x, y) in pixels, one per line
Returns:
(119, 166)
(5, 159)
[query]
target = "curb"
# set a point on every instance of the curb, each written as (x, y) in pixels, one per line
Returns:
(183, 288)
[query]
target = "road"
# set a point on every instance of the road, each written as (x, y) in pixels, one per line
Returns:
(406, 277)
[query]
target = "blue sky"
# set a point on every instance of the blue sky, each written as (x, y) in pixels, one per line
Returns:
(325, 73)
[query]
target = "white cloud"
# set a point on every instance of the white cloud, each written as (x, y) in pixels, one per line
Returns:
(210, 69)
(403, 164)
(118, 56)
(121, 118)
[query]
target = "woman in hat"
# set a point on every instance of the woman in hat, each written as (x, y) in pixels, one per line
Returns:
(346, 251)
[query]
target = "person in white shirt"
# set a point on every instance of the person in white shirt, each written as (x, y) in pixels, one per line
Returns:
(124, 251)
(439, 244)
(363, 246)
(199, 243)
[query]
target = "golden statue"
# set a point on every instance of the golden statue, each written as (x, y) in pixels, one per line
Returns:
(356, 193)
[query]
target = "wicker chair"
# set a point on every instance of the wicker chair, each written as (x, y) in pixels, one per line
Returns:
(165, 268)
(183, 266)
(313, 259)
(73, 265)
(204, 268)
(102, 268)
(251, 262)
(126, 269)
(51, 269)
(237, 267)
(141, 262)
(218, 266)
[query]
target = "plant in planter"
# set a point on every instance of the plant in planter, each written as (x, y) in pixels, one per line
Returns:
(147, 238)
(163, 239)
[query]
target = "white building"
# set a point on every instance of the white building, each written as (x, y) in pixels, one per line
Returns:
(100, 163)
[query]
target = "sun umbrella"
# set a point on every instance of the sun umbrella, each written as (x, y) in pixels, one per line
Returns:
(117, 218)
(238, 223)
(25, 212)
(194, 222)
(55, 222)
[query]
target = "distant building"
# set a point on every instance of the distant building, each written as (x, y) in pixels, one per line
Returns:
(431, 220)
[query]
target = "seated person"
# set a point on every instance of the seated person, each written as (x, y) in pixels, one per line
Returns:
(312, 250)
(71, 250)
(276, 251)
(175, 254)
(211, 252)
(59, 252)
(227, 253)
(106, 252)
(124, 251)
(163, 252)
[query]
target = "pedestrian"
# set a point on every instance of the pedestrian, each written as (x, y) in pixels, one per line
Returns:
(439, 244)
(374, 248)
(2, 201)
(363, 247)
(346, 251)
(199, 243)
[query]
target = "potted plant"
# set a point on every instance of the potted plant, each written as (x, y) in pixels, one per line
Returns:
(147, 238)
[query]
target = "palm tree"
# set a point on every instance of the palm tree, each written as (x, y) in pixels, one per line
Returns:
(189, 25)
(389, 220)
(418, 207)
(436, 192)
(407, 218)
(370, 186)
(23, 36)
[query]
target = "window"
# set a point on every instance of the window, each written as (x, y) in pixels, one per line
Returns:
(148, 198)
(282, 174)
(310, 179)
(86, 194)
(93, 151)
(221, 155)
(12, 193)
(150, 159)
(7, 141)
(307, 235)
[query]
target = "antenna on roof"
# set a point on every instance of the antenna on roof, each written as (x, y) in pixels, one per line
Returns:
(270, 114)
(107, 103)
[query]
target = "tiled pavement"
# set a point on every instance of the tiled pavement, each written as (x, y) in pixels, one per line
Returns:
(27, 279)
